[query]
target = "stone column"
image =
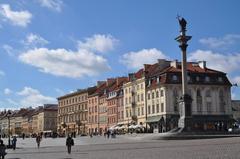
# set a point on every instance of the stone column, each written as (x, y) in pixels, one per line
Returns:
(185, 102)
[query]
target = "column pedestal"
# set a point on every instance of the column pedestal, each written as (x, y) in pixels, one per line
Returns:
(185, 121)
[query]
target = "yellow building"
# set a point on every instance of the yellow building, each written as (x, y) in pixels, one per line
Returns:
(72, 112)
(134, 96)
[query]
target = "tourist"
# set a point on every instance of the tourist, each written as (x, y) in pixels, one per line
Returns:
(14, 142)
(2, 150)
(69, 143)
(38, 140)
(23, 136)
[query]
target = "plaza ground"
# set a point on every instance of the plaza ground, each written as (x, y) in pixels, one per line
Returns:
(128, 147)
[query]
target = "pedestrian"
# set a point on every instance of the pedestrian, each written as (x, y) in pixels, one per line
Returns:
(14, 142)
(69, 143)
(23, 136)
(38, 140)
(108, 133)
(2, 150)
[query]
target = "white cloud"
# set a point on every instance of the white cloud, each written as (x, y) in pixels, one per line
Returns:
(2, 73)
(32, 97)
(225, 41)
(227, 63)
(8, 49)
(7, 91)
(135, 60)
(34, 40)
(52, 4)
(99, 43)
(12, 102)
(62, 62)
(59, 91)
(19, 18)
(236, 80)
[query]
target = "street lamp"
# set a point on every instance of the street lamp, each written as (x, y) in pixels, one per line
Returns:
(8, 116)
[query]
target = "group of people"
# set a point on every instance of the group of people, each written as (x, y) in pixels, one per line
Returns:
(69, 144)
(2, 149)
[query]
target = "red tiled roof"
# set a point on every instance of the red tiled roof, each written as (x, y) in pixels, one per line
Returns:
(191, 68)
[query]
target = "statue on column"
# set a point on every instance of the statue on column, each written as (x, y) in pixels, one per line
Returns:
(182, 23)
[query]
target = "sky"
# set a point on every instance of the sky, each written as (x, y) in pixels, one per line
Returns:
(49, 48)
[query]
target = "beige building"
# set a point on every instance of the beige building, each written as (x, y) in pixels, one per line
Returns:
(236, 109)
(47, 118)
(209, 89)
(73, 111)
(135, 96)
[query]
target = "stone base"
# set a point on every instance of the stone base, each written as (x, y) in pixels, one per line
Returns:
(185, 124)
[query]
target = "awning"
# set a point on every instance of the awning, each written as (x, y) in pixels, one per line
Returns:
(212, 118)
(152, 119)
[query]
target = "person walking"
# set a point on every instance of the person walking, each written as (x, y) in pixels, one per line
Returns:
(38, 140)
(69, 143)
(2, 150)
(14, 142)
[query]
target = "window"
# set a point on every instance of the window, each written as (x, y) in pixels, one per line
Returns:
(174, 77)
(149, 109)
(152, 95)
(162, 107)
(207, 79)
(142, 97)
(199, 101)
(208, 93)
(141, 86)
(158, 79)
(222, 101)
(142, 110)
(138, 98)
(153, 109)
(137, 87)
(209, 106)
(197, 78)
(162, 93)
(220, 79)
(149, 96)
(126, 101)
(157, 108)
(138, 111)
(157, 94)
(95, 108)
(175, 100)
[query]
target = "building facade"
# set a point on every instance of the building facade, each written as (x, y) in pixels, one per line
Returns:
(73, 112)
(209, 89)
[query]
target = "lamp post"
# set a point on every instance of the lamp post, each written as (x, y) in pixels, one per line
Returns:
(8, 116)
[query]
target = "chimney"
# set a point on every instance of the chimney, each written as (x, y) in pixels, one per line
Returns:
(163, 63)
(110, 81)
(202, 64)
(174, 63)
(131, 76)
(100, 83)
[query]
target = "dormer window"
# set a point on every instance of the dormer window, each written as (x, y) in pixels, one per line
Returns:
(220, 79)
(158, 79)
(149, 82)
(174, 77)
(207, 79)
(197, 78)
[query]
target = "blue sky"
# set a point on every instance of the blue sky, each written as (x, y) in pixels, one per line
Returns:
(52, 47)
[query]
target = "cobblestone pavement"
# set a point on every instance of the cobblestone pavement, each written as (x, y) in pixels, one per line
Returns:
(128, 147)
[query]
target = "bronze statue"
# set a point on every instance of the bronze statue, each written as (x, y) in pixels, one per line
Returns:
(182, 23)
